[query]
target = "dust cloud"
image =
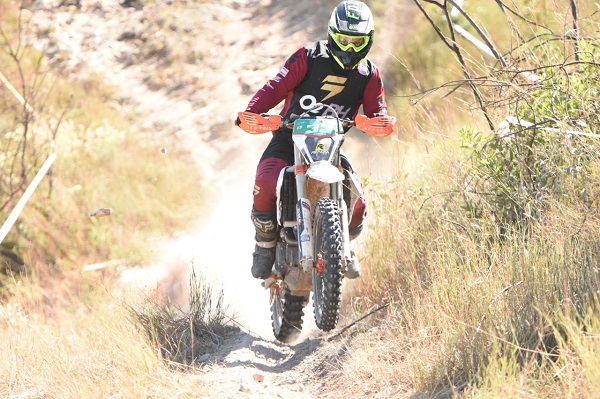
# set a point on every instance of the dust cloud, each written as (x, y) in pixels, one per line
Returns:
(219, 248)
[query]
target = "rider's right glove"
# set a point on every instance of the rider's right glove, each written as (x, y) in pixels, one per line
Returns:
(237, 121)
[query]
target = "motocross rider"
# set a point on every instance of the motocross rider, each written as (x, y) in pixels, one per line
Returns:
(335, 72)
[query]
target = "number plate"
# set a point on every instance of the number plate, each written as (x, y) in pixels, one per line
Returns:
(316, 127)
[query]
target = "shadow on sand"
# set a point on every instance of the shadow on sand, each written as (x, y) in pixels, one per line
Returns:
(243, 349)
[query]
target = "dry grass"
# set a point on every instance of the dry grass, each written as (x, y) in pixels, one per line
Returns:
(105, 347)
(64, 335)
(470, 312)
(75, 350)
(476, 309)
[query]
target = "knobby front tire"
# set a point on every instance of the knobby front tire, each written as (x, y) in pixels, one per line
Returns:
(327, 273)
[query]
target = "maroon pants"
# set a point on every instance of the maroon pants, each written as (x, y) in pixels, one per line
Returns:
(265, 188)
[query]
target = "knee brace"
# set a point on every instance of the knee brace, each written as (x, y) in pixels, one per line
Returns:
(265, 224)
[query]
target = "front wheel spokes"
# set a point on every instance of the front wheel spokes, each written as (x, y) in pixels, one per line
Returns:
(276, 291)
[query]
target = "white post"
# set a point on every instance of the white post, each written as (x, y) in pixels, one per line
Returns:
(454, 12)
(15, 93)
(526, 124)
(476, 42)
(12, 218)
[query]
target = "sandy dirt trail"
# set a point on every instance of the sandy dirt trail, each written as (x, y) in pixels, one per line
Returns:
(248, 42)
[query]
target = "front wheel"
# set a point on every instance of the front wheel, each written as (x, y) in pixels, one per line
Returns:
(327, 273)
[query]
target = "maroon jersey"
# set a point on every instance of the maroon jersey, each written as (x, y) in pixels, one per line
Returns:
(310, 76)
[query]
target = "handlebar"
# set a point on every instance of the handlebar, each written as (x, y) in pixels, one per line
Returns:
(378, 126)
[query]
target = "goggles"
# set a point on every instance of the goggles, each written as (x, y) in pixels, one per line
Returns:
(345, 42)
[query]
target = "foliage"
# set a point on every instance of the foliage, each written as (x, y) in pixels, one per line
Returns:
(100, 162)
(24, 141)
(535, 90)
(517, 178)
(545, 152)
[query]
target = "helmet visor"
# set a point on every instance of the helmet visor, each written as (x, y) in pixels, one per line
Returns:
(345, 42)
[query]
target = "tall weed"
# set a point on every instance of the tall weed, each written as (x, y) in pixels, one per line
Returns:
(183, 335)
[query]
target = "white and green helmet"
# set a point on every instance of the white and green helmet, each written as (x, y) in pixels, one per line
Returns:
(350, 33)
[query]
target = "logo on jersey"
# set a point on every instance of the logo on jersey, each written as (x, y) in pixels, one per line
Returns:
(293, 59)
(280, 75)
(310, 103)
(334, 85)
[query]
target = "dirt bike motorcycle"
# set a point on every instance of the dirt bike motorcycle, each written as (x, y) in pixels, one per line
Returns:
(315, 199)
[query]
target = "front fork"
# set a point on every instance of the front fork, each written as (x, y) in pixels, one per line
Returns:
(303, 217)
(305, 242)
(345, 218)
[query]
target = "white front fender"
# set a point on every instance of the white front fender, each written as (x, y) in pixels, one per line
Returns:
(325, 172)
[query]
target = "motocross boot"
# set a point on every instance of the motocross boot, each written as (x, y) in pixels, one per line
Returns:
(353, 269)
(355, 231)
(263, 258)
